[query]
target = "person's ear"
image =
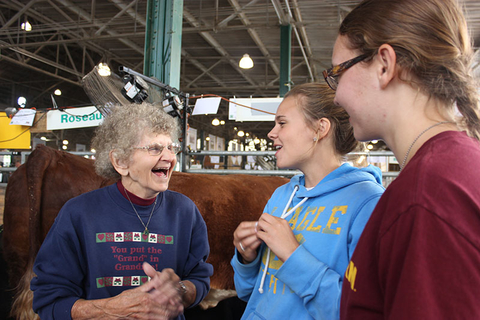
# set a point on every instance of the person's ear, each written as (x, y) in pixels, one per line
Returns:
(121, 166)
(323, 127)
(387, 65)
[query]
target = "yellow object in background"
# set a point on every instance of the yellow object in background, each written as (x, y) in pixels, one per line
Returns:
(13, 136)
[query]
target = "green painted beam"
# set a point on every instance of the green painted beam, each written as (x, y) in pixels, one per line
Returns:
(163, 41)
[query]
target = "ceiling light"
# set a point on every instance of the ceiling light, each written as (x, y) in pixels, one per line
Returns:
(222, 122)
(369, 147)
(65, 142)
(22, 101)
(241, 133)
(104, 69)
(246, 62)
(43, 138)
(64, 147)
(215, 122)
(26, 26)
(58, 92)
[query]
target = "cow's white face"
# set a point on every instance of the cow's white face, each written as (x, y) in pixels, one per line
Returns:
(146, 175)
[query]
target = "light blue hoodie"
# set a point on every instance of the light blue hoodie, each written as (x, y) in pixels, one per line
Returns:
(327, 225)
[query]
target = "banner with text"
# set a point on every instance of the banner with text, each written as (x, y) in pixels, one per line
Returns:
(73, 118)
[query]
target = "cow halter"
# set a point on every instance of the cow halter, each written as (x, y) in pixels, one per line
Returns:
(151, 213)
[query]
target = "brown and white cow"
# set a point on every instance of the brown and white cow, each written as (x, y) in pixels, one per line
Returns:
(39, 188)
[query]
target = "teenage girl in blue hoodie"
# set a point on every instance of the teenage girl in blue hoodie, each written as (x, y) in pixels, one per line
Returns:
(290, 263)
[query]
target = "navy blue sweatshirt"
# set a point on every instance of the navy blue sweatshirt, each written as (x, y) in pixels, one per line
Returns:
(96, 248)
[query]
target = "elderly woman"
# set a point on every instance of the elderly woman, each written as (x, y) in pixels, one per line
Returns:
(132, 249)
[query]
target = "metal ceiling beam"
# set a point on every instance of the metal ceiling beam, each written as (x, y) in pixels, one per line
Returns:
(299, 39)
(18, 14)
(203, 73)
(255, 36)
(224, 22)
(217, 46)
(118, 15)
(142, 20)
(45, 61)
(66, 41)
(202, 68)
(84, 15)
(304, 36)
(15, 5)
(133, 13)
(283, 19)
(39, 70)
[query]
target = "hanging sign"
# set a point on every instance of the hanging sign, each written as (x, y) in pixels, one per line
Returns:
(73, 118)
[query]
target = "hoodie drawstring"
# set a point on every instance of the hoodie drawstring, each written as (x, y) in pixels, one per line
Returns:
(283, 216)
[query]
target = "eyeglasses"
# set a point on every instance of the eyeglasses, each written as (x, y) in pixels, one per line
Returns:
(331, 75)
(156, 149)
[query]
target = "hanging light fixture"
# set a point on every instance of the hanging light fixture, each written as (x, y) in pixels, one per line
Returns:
(26, 26)
(246, 62)
(215, 122)
(21, 101)
(58, 92)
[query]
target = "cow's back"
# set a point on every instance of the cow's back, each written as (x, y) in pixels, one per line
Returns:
(224, 202)
(35, 193)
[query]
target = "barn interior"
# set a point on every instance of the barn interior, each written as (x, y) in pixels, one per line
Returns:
(48, 47)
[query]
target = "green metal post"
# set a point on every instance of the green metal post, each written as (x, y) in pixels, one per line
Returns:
(163, 41)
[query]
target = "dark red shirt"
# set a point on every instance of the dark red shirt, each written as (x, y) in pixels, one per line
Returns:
(419, 254)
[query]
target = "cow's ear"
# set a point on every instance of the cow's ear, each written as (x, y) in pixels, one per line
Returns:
(121, 166)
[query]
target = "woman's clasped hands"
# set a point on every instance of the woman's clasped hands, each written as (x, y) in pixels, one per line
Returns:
(159, 298)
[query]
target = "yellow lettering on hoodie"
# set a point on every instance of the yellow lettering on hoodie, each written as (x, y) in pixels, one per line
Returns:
(274, 262)
(319, 227)
(334, 220)
(351, 274)
(273, 281)
(305, 222)
(293, 221)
